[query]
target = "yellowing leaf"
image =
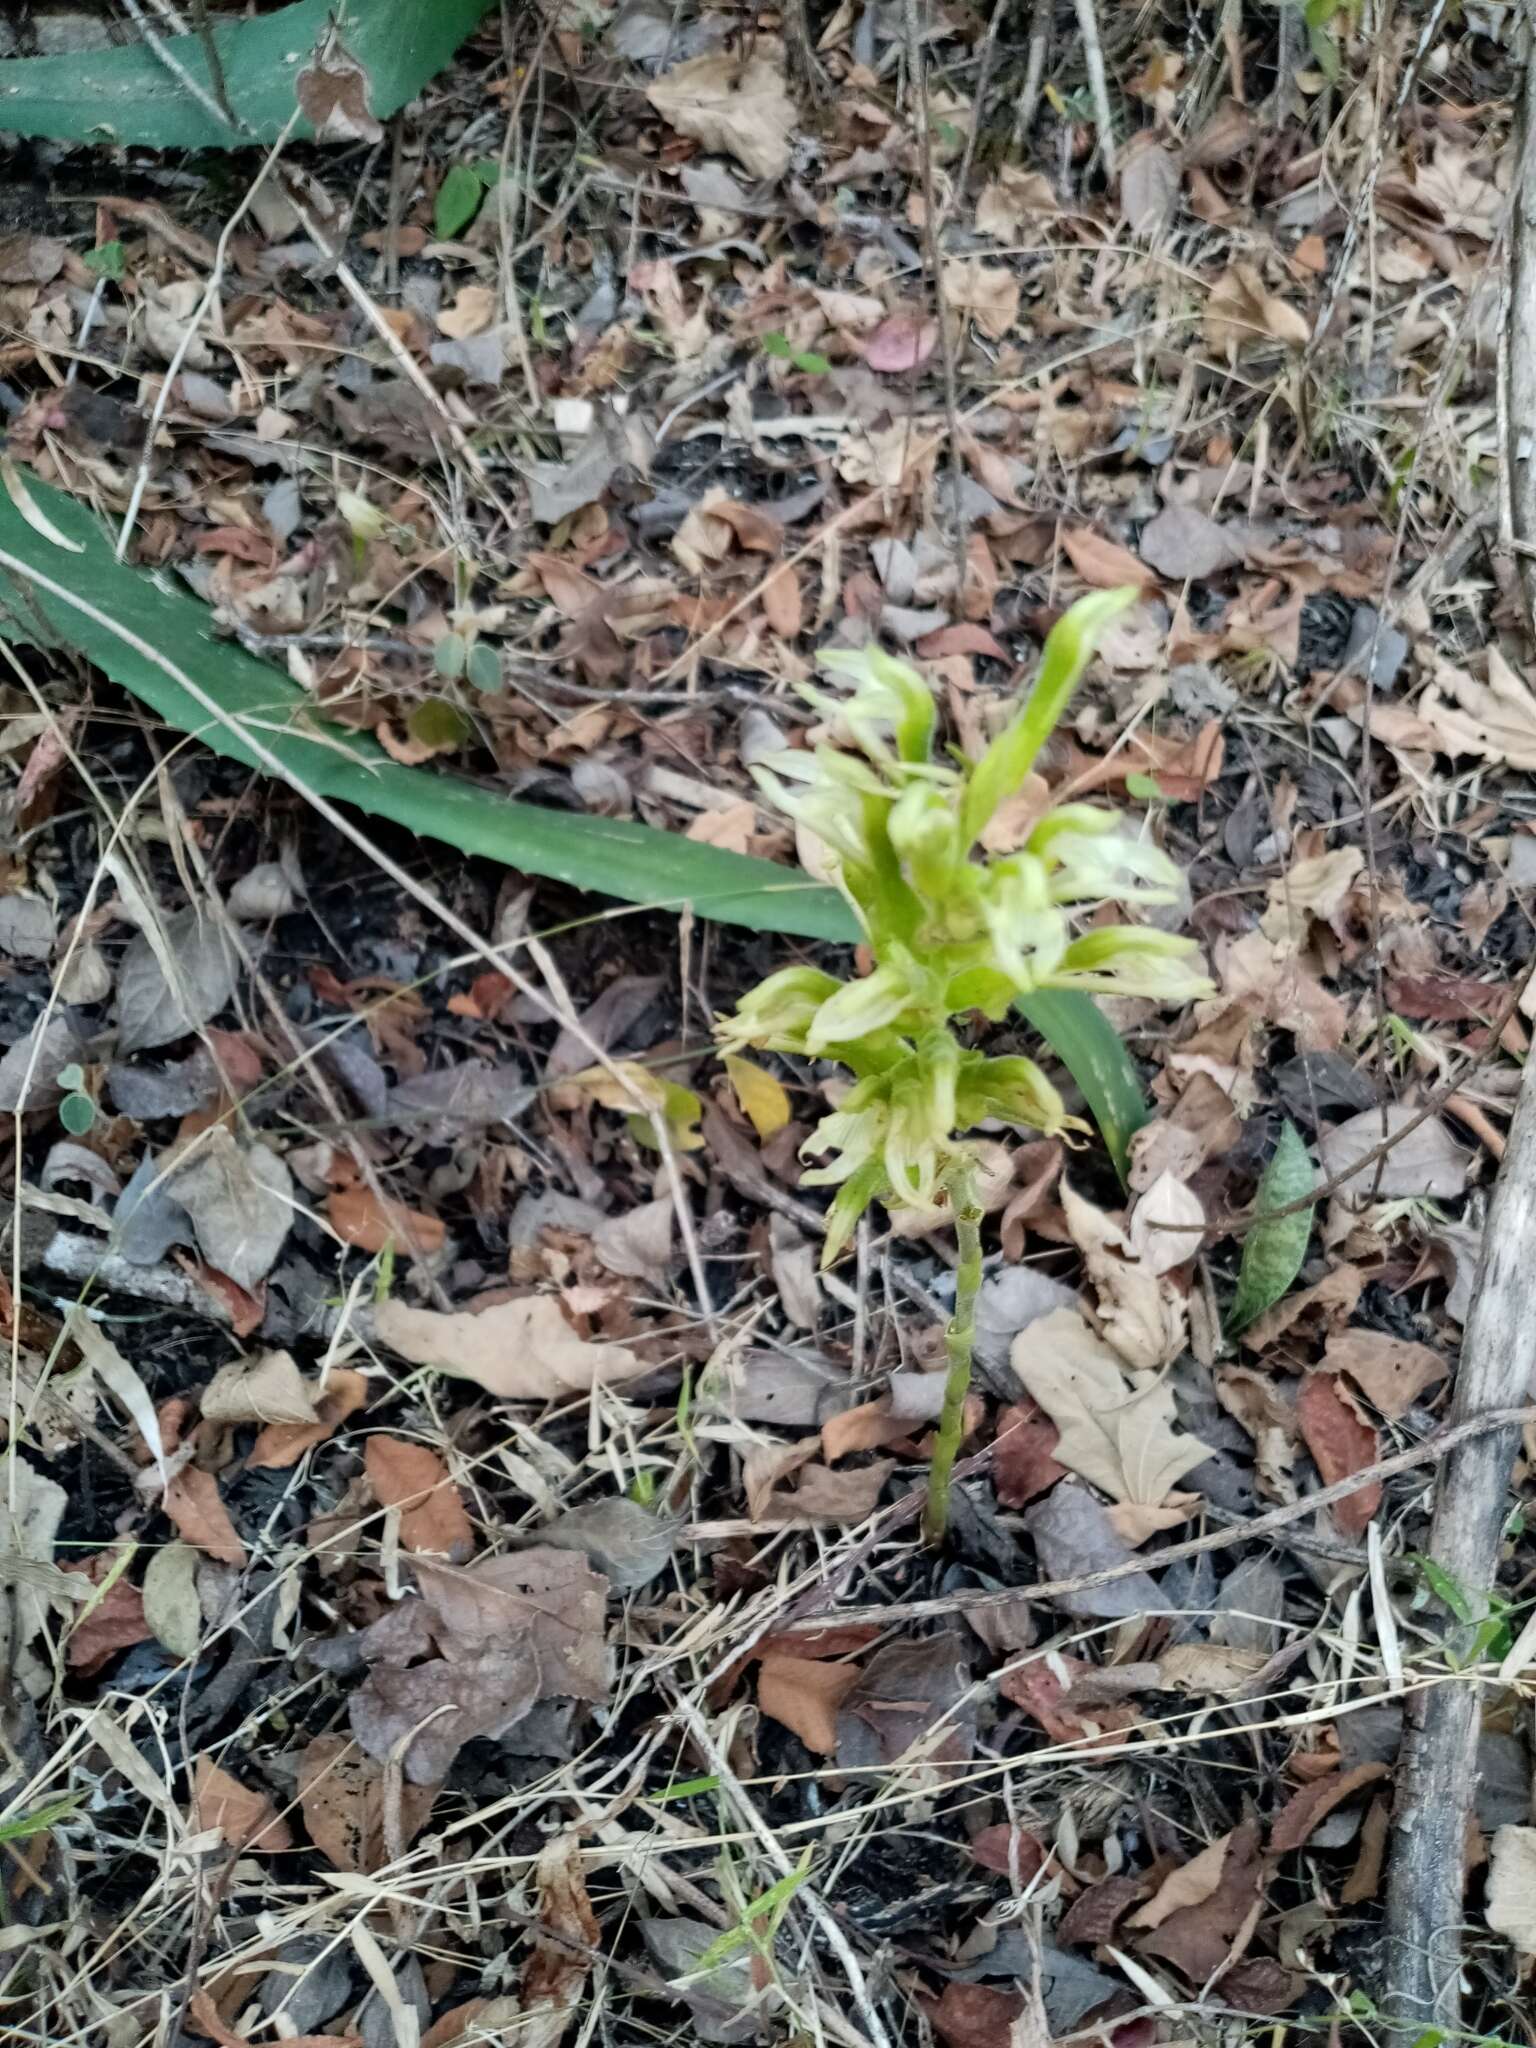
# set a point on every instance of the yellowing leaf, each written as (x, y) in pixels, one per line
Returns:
(1119, 1437)
(627, 1084)
(734, 104)
(760, 1095)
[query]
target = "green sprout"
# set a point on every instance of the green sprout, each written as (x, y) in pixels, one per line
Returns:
(952, 933)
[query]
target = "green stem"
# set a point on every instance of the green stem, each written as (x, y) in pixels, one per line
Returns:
(960, 1344)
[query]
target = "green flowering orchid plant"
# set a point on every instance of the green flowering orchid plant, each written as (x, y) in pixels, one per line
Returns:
(953, 933)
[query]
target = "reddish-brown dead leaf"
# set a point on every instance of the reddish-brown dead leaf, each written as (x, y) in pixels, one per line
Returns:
(804, 1695)
(203, 2018)
(360, 1217)
(782, 606)
(1004, 1848)
(1340, 1443)
(1306, 1809)
(556, 1973)
(282, 1444)
(454, 2024)
(1037, 1689)
(1103, 563)
(1095, 1916)
(973, 2015)
(195, 1506)
(408, 1476)
(115, 1623)
(1022, 1465)
(1199, 1937)
(246, 1311)
(869, 1427)
(246, 1818)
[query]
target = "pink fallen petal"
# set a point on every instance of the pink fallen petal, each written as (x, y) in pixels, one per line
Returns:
(901, 342)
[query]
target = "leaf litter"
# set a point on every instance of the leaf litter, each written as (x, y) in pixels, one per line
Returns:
(379, 1478)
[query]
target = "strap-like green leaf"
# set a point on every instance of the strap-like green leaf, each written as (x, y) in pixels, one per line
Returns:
(129, 95)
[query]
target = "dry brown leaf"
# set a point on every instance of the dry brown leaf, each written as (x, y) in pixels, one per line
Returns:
(425, 1713)
(1305, 1810)
(1240, 313)
(266, 1388)
(1259, 1405)
(822, 1495)
(115, 1622)
(1144, 1314)
(1390, 1371)
(1149, 185)
(869, 1427)
(1167, 1225)
(1023, 1461)
(196, 1507)
(1190, 1885)
(1341, 1443)
(1209, 1933)
(1103, 563)
(246, 1818)
(1210, 1668)
(342, 1795)
(360, 1217)
(521, 1350)
(804, 1695)
(1496, 719)
(1118, 1437)
(282, 1444)
(782, 606)
(987, 293)
(736, 104)
(407, 1476)
(1314, 888)
(555, 1974)
(544, 1597)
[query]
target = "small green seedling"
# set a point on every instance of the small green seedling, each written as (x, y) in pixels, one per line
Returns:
(109, 261)
(806, 359)
(953, 932)
(77, 1112)
(460, 197)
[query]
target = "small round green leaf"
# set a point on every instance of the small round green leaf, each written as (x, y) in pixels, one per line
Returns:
(449, 655)
(77, 1113)
(484, 668)
(437, 723)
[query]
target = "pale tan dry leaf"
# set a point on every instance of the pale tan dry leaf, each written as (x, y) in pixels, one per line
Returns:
(414, 1480)
(1167, 1225)
(1103, 563)
(737, 105)
(1496, 719)
(1014, 205)
(1133, 1521)
(193, 1503)
(1423, 1161)
(246, 1818)
(1391, 1372)
(521, 1350)
(1144, 1315)
(822, 1495)
(1210, 1668)
(555, 1974)
(1119, 1437)
(987, 293)
(1512, 1887)
(1240, 312)
(1201, 1125)
(804, 1694)
(1314, 888)
(267, 1388)
(1149, 186)
(472, 312)
(1256, 1401)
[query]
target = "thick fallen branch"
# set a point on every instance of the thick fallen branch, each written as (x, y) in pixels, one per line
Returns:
(1435, 1780)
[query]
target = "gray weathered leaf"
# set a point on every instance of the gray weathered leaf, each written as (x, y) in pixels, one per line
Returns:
(1181, 541)
(1273, 1250)
(435, 1708)
(26, 927)
(627, 1543)
(29, 1072)
(174, 1090)
(1073, 1536)
(152, 1010)
(149, 1219)
(1425, 1161)
(453, 1100)
(240, 1201)
(171, 1606)
(1149, 186)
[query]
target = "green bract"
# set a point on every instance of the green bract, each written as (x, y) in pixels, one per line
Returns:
(952, 931)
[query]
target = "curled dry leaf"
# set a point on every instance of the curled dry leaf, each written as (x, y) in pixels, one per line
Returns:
(521, 1350)
(1103, 564)
(414, 1480)
(1496, 719)
(281, 1444)
(549, 1599)
(267, 1388)
(194, 1505)
(425, 1713)
(246, 1818)
(566, 1937)
(1305, 1810)
(1167, 1225)
(1341, 1442)
(1121, 1438)
(1144, 1314)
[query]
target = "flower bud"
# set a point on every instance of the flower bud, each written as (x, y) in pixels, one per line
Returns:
(1133, 960)
(1087, 857)
(1012, 1089)
(890, 696)
(777, 1014)
(861, 1007)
